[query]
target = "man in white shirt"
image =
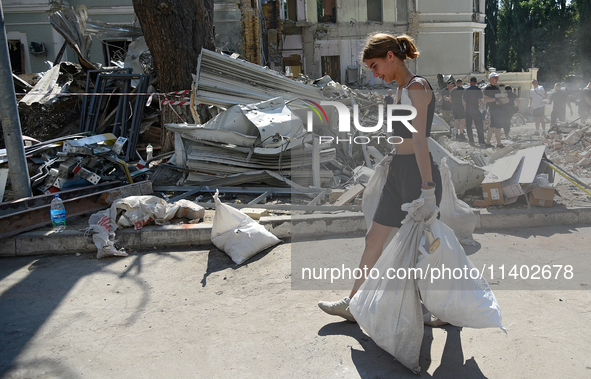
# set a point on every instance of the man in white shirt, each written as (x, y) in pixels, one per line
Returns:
(537, 95)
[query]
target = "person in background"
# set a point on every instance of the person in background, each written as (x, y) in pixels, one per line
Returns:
(585, 103)
(537, 95)
(512, 107)
(446, 103)
(559, 100)
(388, 99)
(473, 101)
(457, 104)
(496, 99)
(412, 173)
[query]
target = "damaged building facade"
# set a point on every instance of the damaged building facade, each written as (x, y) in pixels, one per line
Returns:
(325, 37)
(33, 40)
(309, 37)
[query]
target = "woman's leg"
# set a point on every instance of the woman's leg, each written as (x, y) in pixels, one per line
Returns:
(375, 241)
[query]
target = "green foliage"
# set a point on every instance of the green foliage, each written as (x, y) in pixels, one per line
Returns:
(547, 34)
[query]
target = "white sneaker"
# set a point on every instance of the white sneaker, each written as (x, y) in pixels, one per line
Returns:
(337, 308)
(430, 320)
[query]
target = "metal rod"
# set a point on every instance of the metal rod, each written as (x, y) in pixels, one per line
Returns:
(11, 125)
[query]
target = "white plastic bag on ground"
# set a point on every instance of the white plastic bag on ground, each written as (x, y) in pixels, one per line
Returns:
(373, 190)
(138, 211)
(461, 300)
(103, 235)
(454, 212)
(389, 310)
(238, 235)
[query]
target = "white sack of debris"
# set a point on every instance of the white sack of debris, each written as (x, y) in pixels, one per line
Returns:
(103, 235)
(135, 211)
(138, 211)
(238, 235)
(454, 212)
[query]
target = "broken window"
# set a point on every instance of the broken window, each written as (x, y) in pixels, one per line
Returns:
(476, 52)
(17, 56)
(291, 10)
(402, 11)
(331, 66)
(327, 11)
(374, 10)
(293, 65)
(114, 50)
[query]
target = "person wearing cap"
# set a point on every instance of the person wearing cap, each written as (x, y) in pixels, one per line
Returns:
(559, 100)
(585, 103)
(446, 103)
(537, 95)
(473, 101)
(458, 110)
(495, 99)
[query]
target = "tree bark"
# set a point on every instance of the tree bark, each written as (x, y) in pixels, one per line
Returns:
(175, 31)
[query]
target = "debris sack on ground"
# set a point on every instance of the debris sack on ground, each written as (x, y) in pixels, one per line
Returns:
(454, 212)
(389, 310)
(103, 235)
(138, 211)
(237, 234)
(466, 301)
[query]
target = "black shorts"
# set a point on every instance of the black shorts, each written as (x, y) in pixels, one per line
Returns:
(403, 185)
(499, 121)
(459, 113)
(539, 112)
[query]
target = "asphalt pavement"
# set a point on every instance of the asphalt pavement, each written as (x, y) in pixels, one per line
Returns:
(190, 312)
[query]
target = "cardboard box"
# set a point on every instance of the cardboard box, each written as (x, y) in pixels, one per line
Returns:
(504, 181)
(542, 196)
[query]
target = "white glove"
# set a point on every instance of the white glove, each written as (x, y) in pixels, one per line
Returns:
(427, 209)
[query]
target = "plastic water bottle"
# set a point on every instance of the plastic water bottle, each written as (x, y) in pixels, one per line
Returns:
(58, 214)
(149, 152)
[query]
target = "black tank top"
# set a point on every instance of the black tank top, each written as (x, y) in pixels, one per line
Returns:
(398, 128)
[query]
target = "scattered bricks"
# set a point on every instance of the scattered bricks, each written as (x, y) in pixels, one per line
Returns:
(573, 137)
(557, 145)
(584, 162)
(586, 154)
(573, 153)
(552, 134)
(569, 159)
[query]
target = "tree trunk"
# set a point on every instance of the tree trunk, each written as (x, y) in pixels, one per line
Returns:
(175, 31)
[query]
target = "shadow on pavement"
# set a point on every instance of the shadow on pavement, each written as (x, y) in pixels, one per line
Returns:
(217, 260)
(374, 362)
(29, 298)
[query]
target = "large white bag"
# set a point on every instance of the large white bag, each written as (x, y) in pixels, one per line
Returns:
(464, 300)
(389, 310)
(238, 235)
(373, 190)
(454, 212)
